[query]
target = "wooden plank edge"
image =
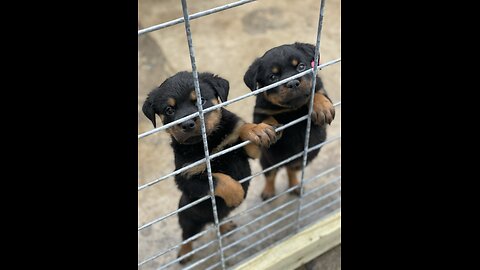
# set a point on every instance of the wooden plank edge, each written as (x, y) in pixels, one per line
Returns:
(300, 248)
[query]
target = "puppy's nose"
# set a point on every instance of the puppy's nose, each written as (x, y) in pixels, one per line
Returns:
(188, 125)
(293, 84)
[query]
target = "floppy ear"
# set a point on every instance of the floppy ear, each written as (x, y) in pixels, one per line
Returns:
(250, 77)
(307, 49)
(219, 84)
(149, 112)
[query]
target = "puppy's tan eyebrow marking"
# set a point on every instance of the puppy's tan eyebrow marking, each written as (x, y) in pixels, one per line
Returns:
(214, 101)
(171, 102)
(294, 62)
(193, 96)
(275, 69)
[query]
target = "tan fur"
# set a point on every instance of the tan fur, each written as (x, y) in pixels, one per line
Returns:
(252, 150)
(269, 189)
(193, 96)
(292, 177)
(174, 131)
(260, 134)
(228, 189)
(212, 119)
(184, 249)
(276, 98)
(306, 84)
(171, 102)
(231, 138)
(294, 62)
(283, 92)
(323, 109)
(320, 100)
(225, 228)
(194, 170)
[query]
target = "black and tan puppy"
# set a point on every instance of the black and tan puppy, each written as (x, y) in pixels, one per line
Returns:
(285, 103)
(175, 98)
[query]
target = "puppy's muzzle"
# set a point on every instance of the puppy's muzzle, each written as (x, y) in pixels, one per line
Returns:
(293, 84)
(188, 125)
(187, 132)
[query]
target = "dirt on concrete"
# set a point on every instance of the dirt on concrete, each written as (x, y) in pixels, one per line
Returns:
(226, 43)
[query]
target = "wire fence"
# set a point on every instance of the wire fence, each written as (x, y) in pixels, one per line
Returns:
(327, 193)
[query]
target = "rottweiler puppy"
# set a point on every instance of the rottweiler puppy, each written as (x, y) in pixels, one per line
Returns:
(175, 98)
(285, 103)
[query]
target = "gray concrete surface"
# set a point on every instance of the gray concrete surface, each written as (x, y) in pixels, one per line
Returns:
(226, 43)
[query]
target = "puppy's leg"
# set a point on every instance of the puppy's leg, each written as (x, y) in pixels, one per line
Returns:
(292, 179)
(323, 110)
(228, 189)
(189, 229)
(269, 189)
(184, 249)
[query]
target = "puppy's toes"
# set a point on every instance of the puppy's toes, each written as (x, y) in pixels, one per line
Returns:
(186, 248)
(329, 114)
(332, 111)
(264, 138)
(318, 117)
(267, 195)
(254, 138)
(328, 117)
(185, 260)
(227, 227)
(265, 132)
(272, 135)
(296, 191)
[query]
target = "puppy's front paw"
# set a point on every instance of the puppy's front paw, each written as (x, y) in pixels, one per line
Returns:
(227, 227)
(260, 134)
(229, 190)
(184, 249)
(323, 110)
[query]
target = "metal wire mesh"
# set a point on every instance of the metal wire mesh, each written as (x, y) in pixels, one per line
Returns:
(297, 205)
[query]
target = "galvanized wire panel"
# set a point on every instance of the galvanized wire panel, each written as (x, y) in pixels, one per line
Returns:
(316, 200)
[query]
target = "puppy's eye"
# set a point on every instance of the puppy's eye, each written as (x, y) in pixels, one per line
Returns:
(301, 67)
(273, 77)
(169, 111)
(204, 101)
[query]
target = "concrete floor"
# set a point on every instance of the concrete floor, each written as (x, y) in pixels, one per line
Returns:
(226, 43)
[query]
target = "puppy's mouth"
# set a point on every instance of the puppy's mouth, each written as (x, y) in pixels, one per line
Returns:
(296, 102)
(290, 99)
(183, 138)
(193, 140)
(212, 120)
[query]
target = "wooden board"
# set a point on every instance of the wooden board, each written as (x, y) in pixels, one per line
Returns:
(300, 248)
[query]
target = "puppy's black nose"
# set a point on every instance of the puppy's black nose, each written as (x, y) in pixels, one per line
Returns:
(293, 84)
(188, 125)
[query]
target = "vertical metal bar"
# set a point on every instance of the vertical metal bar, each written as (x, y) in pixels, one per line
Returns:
(310, 109)
(202, 120)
